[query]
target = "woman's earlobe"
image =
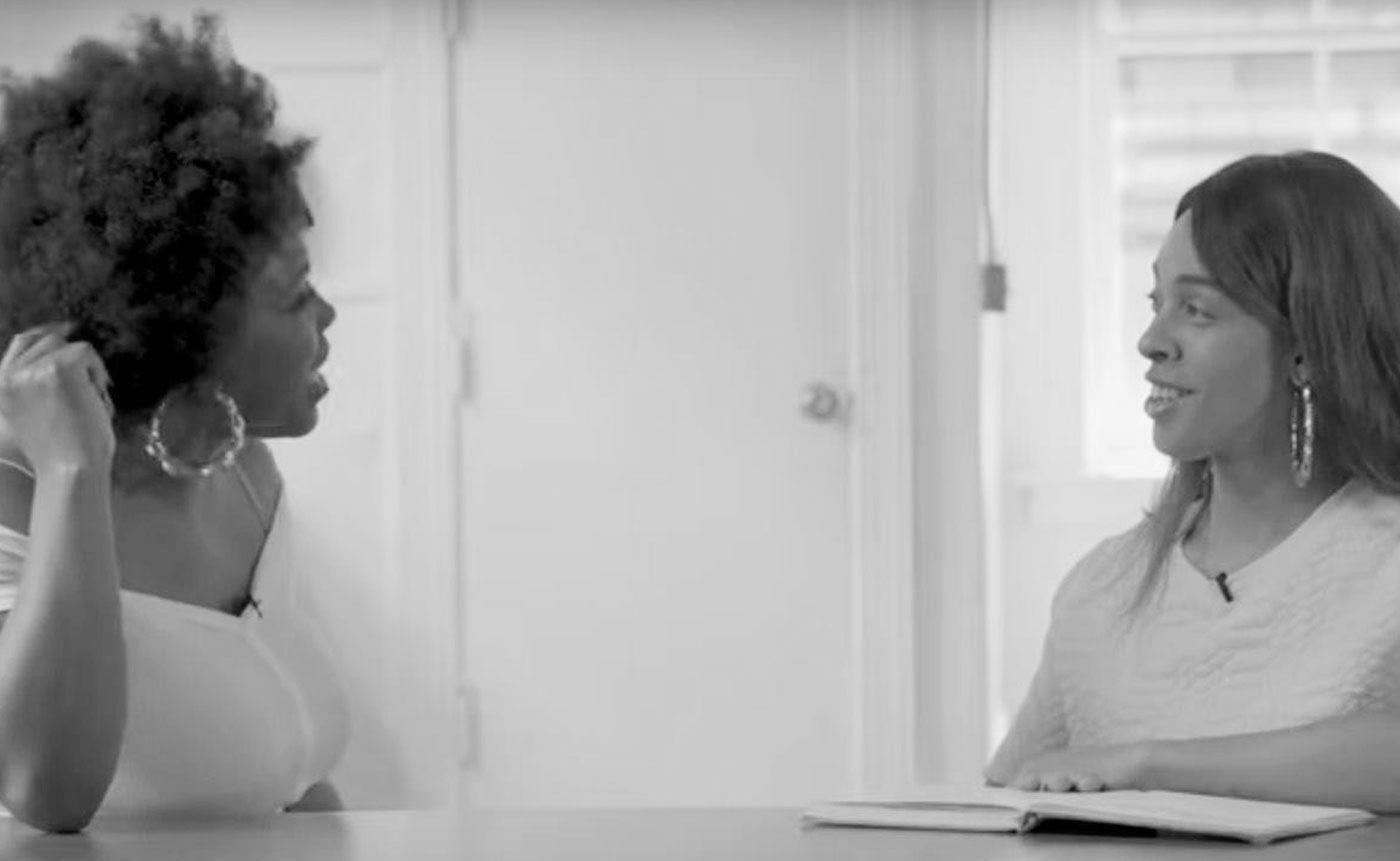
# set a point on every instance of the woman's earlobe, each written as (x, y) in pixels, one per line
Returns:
(1300, 375)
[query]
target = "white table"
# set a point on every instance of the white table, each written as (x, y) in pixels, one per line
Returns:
(627, 835)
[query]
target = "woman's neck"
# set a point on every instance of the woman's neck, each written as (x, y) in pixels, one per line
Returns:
(1252, 507)
(136, 472)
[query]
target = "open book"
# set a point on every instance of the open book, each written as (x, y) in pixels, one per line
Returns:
(960, 808)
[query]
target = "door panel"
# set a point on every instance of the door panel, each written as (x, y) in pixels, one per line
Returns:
(653, 244)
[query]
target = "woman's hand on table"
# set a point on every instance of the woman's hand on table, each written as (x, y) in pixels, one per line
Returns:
(1084, 769)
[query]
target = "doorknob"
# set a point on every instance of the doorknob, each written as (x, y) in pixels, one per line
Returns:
(822, 402)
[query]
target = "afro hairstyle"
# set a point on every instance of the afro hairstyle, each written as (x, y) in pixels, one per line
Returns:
(140, 186)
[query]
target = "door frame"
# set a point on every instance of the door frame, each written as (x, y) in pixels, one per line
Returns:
(921, 694)
(429, 377)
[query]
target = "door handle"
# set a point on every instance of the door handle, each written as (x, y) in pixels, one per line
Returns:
(822, 402)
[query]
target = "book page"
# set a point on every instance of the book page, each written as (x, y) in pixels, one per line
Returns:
(951, 795)
(1187, 811)
(944, 806)
(973, 808)
(923, 815)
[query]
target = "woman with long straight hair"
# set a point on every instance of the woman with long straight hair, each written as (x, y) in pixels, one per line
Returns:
(1244, 638)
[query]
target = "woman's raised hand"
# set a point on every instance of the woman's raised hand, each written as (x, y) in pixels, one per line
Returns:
(53, 397)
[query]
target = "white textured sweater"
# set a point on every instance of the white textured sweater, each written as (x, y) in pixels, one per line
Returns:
(1313, 632)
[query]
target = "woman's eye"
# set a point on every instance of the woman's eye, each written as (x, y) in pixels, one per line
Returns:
(1194, 310)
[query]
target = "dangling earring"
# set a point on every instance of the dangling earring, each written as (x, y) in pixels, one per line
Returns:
(1300, 425)
(223, 455)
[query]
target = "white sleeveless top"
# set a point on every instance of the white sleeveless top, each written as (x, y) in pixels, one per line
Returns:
(225, 715)
(1312, 632)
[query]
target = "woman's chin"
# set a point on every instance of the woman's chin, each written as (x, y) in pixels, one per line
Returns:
(300, 417)
(304, 423)
(1174, 447)
(299, 422)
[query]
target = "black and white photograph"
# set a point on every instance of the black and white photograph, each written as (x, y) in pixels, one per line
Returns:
(709, 430)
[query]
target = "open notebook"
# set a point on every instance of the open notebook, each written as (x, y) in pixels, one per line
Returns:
(957, 808)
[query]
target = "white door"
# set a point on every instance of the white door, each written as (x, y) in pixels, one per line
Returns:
(653, 242)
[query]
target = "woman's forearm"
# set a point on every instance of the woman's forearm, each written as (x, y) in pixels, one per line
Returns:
(1350, 761)
(63, 658)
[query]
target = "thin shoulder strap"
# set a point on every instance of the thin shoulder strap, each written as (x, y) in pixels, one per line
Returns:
(18, 467)
(264, 516)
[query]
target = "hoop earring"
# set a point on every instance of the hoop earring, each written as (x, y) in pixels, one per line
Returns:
(1300, 426)
(223, 455)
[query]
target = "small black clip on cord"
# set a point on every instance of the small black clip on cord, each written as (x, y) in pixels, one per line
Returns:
(1224, 590)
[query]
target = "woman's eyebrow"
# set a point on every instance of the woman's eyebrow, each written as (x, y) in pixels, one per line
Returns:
(1201, 287)
(1187, 278)
(1197, 280)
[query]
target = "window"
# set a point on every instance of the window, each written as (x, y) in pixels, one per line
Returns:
(1184, 87)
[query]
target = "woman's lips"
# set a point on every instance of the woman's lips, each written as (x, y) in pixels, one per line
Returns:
(1163, 398)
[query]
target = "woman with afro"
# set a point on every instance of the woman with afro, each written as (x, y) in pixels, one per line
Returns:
(156, 323)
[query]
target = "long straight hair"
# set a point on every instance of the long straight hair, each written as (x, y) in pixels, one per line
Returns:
(1310, 246)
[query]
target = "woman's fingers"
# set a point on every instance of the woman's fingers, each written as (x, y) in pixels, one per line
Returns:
(1029, 782)
(37, 341)
(1087, 783)
(81, 358)
(33, 333)
(40, 348)
(97, 373)
(77, 360)
(1058, 783)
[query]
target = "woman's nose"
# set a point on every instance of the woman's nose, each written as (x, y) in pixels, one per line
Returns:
(1156, 345)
